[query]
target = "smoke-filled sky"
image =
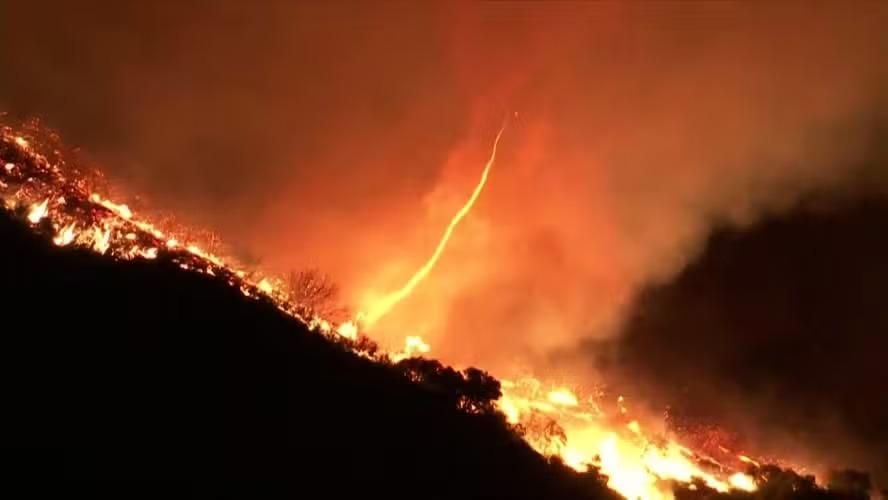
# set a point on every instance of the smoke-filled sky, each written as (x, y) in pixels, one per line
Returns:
(344, 135)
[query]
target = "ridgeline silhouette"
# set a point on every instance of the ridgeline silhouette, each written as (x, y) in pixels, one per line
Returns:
(141, 370)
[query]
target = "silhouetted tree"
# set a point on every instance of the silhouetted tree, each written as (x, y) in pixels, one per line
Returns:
(314, 293)
(473, 391)
(419, 369)
(451, 384)
(481, 391)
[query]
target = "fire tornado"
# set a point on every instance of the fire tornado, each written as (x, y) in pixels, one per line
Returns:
(381, 308)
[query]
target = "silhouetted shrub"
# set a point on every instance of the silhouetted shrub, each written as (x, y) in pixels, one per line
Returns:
(473, 391)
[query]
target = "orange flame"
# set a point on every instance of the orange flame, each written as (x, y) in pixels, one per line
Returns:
(38, 211)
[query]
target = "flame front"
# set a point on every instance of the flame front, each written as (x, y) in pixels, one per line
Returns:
(635, 461)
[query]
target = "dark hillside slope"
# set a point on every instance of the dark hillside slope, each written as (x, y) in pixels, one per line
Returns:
(138, 370)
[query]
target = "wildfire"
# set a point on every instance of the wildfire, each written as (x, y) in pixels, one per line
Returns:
(579, 431)
(555, 419)
(634, 463)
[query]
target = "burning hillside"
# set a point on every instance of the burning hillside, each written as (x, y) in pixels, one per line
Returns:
(67, 201)
(597, 429)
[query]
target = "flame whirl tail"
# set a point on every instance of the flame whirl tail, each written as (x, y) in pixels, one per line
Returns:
(49, 196)
(383, 306)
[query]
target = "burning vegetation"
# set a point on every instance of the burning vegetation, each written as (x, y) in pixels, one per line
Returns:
(594, 433)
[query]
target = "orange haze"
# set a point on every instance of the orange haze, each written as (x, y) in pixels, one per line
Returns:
(346, 137)
(639, 129)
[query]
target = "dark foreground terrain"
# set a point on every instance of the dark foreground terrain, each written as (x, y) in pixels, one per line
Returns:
(140, 371)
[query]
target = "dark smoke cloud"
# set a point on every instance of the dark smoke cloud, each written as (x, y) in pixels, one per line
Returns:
(344, 135)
